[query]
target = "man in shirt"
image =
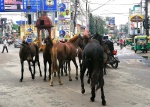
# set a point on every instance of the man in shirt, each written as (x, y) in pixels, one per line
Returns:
(5, 46)
(62, 33)
(62, 6)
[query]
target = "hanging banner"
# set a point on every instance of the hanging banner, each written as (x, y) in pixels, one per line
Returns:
(64, 19)
(13, 5)
(21, 5)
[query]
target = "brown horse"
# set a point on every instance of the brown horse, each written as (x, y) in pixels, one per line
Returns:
(47, 55)
(62, 52)
(28, 52)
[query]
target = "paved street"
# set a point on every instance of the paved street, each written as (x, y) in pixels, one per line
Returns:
(126, 86)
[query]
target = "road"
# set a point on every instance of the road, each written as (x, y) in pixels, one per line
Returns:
(126, 86)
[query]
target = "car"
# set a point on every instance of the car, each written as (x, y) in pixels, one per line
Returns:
(17, 43)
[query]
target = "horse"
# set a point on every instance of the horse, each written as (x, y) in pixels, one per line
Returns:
(28, 52)
(47, 55)
(93, 59)
(65, 52)
(105, 47)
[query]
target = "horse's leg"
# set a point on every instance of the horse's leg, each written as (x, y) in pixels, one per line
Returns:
(89, 72)
(105, 64)
(52, 70)
(82, 71)
(69, 69)
(103, 96)
(58, 72)
(49, 70)
(39, 68)
(34, 69)
(32, 74)
(22, 70)
(62, 67)
(75, 63)
(66, 64)
(92, 93)
(45, 69)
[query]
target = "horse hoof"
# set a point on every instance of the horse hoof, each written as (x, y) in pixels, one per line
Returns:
(33, 76)
(40, 75)
(92, 99)
(20, 80)
(83, 91)
(104, 103)
(76, 78)
(70, 79)
(66, 75)
(51, 85)
(44, 79)
(60, 84)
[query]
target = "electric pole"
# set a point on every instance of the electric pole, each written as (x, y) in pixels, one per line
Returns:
(75, 15)
(146, 20)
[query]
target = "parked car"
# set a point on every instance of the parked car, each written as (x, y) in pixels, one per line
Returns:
(17, 43)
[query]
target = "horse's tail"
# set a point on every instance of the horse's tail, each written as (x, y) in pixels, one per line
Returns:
(54, 58)
(101, 74)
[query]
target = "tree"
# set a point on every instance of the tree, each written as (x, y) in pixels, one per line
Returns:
(97, 23)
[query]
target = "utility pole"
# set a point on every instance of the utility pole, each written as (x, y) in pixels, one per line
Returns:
(146, 20)
(75, 15)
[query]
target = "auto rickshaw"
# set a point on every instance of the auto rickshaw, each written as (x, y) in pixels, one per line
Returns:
(128, 41)
(141, 43)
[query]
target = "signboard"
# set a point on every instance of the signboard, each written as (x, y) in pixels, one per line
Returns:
(64, 19)
(21, 5)
(35, 5)
(13, 5)
(50, 5)
(112, 21)
(1, 5)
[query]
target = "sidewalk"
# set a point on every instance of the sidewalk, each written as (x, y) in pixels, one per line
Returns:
(127, 49)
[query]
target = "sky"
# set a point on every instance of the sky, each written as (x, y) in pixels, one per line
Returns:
(109, 8)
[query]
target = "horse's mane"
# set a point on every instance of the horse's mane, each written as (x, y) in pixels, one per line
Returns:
(98, 37)
(74, 38)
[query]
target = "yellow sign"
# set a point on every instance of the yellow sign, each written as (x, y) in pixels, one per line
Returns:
(136, 18)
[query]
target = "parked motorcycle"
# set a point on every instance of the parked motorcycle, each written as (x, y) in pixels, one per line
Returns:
(113, 60)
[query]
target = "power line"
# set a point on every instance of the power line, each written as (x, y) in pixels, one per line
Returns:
(113, 4)
(101, 5)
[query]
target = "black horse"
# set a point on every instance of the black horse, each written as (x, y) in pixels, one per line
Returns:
(28, 52)
(93, 59)
(47, 55)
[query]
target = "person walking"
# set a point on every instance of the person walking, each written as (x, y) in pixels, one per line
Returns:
(5, 46)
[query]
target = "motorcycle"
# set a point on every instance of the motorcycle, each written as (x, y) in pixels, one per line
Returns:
(113, 60)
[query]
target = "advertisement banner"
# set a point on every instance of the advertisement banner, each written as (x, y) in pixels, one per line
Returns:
(13, 5)
(64, 19)
(112, 21)
(21, 5)
(1, 5)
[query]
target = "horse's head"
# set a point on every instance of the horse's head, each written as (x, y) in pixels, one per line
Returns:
(48, 42)
(98, 37)
(106, 48)
(26, 52)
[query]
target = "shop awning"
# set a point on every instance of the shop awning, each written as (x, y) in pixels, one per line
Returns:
(136, 18)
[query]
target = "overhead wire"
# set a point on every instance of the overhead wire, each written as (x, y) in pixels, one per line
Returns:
(101, 5)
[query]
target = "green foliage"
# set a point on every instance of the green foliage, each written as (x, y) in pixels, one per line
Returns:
(97, 24)
(16, 27)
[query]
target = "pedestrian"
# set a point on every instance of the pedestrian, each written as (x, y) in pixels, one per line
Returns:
(5, 46)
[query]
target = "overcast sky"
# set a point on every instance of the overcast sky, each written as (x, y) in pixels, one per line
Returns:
(107, 8)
